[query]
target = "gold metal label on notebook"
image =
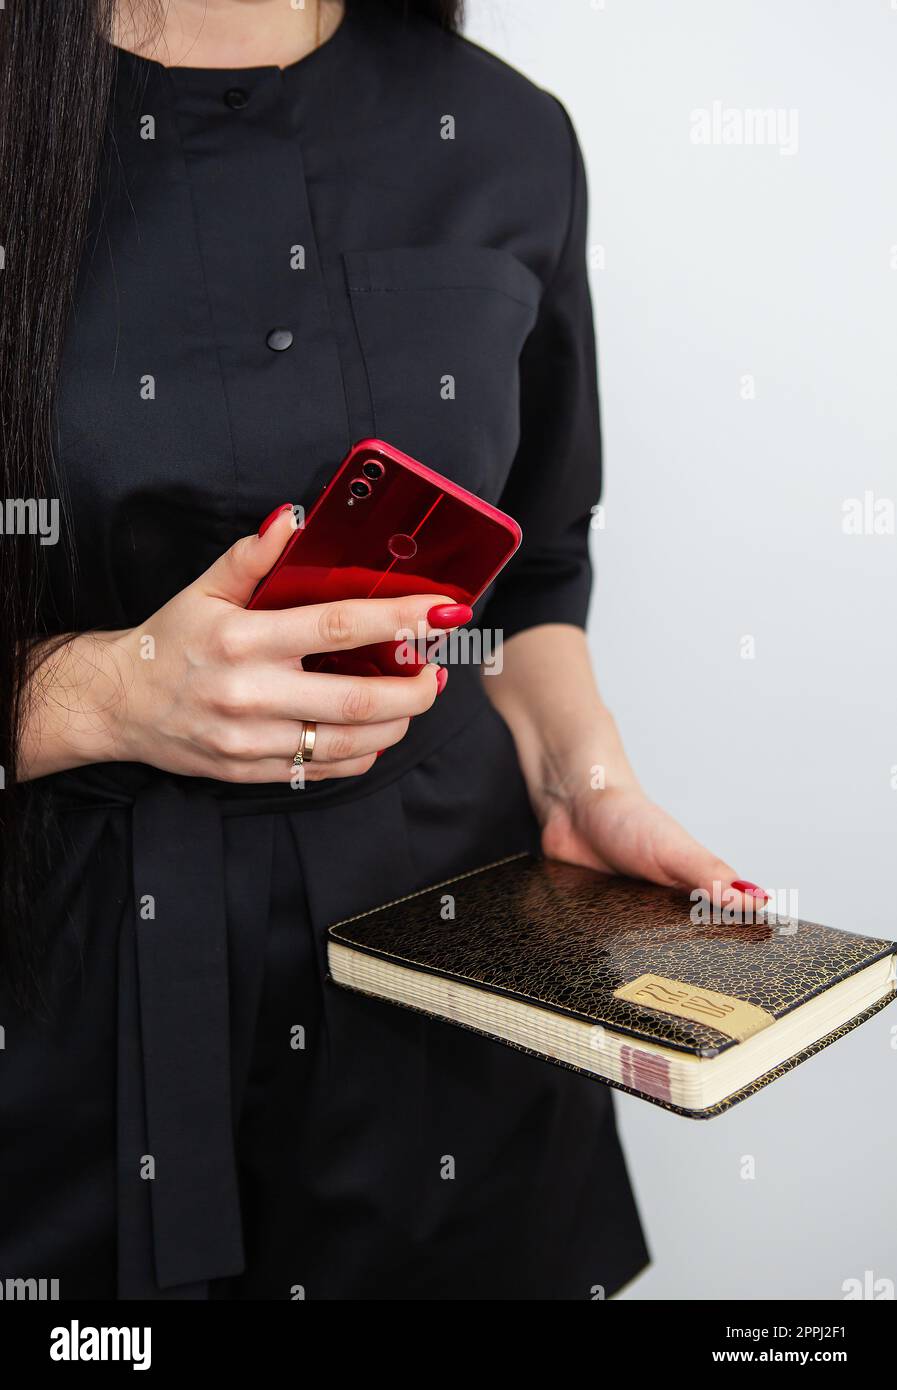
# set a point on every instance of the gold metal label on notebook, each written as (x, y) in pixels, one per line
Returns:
(731, 1016)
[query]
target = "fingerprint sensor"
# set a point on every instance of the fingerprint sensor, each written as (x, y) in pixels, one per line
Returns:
(402, 547)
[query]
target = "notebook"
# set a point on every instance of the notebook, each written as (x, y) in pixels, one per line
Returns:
(627, 982)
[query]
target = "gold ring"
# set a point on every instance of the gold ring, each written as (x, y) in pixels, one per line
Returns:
(305, 752)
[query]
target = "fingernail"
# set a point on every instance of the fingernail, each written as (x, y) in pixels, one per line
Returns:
(441, 679)
(750, 890)
(449, 615)
(272, 516)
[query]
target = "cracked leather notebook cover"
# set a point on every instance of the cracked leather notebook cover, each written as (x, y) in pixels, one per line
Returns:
(656, 988)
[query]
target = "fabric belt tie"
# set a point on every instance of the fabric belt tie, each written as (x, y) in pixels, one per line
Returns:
(174, 1097)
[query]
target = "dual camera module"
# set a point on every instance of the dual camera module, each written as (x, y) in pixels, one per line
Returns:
(361, 488)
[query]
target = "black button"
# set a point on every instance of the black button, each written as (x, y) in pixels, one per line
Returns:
(236, 98)
(279, 339)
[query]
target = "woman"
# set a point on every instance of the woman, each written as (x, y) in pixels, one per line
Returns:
(305, 225)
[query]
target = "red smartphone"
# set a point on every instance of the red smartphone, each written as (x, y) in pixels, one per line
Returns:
(386, 526)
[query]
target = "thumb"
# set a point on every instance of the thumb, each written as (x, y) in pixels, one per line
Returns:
(236, 573)
(688, 863)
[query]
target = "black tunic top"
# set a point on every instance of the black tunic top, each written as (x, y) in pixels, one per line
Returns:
(387, 238)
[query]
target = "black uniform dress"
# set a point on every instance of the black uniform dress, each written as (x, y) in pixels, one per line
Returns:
(200, 1112)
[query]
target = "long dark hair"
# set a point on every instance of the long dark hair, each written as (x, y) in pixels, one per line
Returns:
(56, 70)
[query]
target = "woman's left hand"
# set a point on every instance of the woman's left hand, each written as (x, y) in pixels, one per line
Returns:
(620, 830)
(589, 802)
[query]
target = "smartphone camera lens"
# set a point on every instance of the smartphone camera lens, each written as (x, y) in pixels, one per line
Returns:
(359, 488)
(373, 470)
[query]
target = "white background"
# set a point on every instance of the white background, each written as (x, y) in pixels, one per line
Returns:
(724, 520)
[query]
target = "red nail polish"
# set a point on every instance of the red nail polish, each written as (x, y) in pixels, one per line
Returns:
(272, 516)
(380, 752)
(449, 615)
(441, 679)
(750, 890)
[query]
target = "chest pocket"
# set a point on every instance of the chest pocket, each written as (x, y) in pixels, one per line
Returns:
(441, 329)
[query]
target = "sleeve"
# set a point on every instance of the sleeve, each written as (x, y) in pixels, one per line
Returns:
(555, 479)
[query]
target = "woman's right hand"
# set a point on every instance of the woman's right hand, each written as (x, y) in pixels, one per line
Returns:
(208, 688)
